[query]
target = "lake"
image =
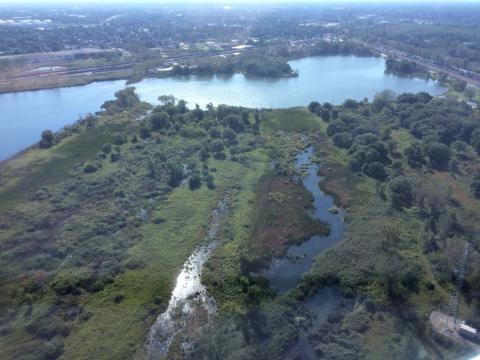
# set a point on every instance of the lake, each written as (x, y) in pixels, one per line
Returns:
(25, 115)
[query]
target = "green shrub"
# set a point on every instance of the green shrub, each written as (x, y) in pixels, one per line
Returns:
(160, 120)
(46, 139)
(475, 187)
(107, 148)
(401, 192)
(194, 182)
(47, 327)
(343, 140)
(89, 168)
(210, 182)
(145, 133)
(119, 139)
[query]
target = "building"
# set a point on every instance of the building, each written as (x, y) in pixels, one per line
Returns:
(468, 332)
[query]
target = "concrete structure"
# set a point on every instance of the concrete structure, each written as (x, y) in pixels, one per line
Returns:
(450, 327)
(468, 332)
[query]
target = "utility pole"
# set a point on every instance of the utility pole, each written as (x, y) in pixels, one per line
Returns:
(453, 303)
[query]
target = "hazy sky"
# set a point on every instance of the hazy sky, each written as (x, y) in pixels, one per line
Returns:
(229, 2)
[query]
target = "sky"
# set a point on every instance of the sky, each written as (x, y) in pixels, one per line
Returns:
(228, 2)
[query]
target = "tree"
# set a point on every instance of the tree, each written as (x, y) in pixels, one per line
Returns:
(160, 120)
(398, 276)
(325, 115)
(438, 154)
(47, 139)
(167, 100)
(89, 120)
(336, 126)
(343, 140)
(414, 153)
(89, 168)
(432, 198)
(313, 106)
(257, 115)
(229, 136)
(459, 85)
(210, 108)
(402, 67)
(221, 155)
(145, 133)
(204, 154)
(210, 182)
(350, 104)
(119, 139)
(258, 118)
(195, 181)
(475, 140)
(182, 106)
(453, 167)
(382, 99)
(217, 146)
(327, 106)
(151, 168)
(475, 187)
(175, 174)
(126, 97)
(375, 170)
(401, 192)
(234, 122)
(215, 133)
(459, 146)
(198, 113)
(107, 148)
(470, 92)
(245, 116)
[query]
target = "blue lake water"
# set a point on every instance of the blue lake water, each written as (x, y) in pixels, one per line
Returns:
(25, 115)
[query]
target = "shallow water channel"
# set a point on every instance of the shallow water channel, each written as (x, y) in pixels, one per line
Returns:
(285, 272)
(189, 296)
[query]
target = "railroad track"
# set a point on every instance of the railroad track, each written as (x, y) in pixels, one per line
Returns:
(472, 78)
(128, 65)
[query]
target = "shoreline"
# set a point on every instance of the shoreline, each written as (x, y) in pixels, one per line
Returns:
(84, 82)
(4, 162)
(131, 79)
(20, 152)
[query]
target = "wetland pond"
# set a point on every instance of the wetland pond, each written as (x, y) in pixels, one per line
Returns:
(285, 272)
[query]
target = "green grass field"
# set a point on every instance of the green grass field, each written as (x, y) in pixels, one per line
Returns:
(291, 120)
